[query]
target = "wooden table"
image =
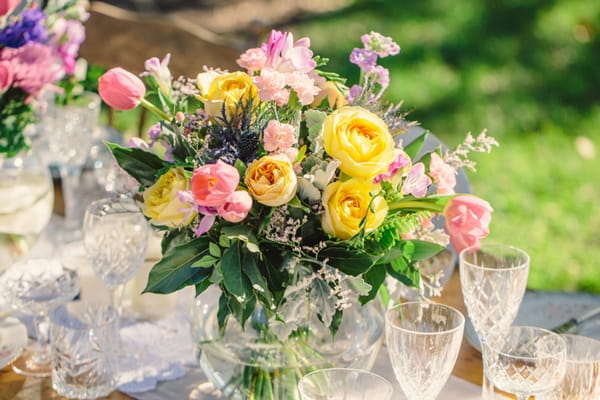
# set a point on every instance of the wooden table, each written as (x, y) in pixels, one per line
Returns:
(468, 365)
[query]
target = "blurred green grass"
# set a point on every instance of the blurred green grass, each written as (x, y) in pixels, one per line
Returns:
(528, 72)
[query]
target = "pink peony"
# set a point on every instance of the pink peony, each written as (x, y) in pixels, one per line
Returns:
(467, 221)
(304, 87)
(236, 208)
(253, 60)
(443, 175)
(6, 75)
(121, 89)
(272, 86)
(416, 183)
(34, 66)
(212, 184)
(278, 136)
(6, 6)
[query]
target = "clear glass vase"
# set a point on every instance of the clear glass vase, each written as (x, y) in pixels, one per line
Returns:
(27, 201)
(253, 363)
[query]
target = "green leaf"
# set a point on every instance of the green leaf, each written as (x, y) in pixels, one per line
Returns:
(259, 284)
(234, 279)
(142, 165)
(244, 234)
(414, 148)
(349, 261)
(202, 286)
(420, 249)
(404, 271)
(174, 271)
(214, 250)
(375, 277)
(205, 262)
(224, 311)
(224, 241)
(241, 167)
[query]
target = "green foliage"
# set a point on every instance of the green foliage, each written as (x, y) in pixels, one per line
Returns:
(15, 115)
(142, 165)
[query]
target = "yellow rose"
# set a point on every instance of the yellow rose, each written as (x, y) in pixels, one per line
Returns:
(271, 180)
(360, 140)
(229, 88)
(161, 203)
(346, 204)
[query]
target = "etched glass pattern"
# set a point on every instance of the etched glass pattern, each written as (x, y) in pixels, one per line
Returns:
(423, 341)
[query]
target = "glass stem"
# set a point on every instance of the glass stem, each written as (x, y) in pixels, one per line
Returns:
(116, 296)
(41, 334)
(69, 176)
(487, 387)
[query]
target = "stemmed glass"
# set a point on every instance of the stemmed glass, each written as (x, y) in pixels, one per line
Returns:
(423, 341)
(66, 142)
(38, 286)
(582, 378)
(493, 280)
(526, 361)
(344, 384)
(115, 237)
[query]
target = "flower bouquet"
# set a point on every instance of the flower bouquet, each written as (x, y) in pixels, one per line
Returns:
(38, 48)
(291, 193)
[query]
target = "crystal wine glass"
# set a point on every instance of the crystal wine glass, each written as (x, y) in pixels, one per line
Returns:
(38, 286)
(344, 384)
(66, 143)
(493, 280)
(423, 341)
(527, 361)
(582, 376)
(115, 237)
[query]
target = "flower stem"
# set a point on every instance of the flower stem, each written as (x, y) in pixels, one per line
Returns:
(151, 107)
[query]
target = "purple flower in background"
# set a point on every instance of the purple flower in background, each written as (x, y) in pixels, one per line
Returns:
(154, 133)
(365, 59)
(69, 34)
(28, 28)
(354, 92)
(382, 45)
(382, 75)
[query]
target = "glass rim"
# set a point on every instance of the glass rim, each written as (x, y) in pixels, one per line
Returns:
(380, 378)
(460, 326)
(587, 339)
(461, 261)
(97, 206)
(93, 305)
(528, 358)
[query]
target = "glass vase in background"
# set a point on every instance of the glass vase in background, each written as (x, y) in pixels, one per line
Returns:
(344, 383)
(65, 143)
(256, 362)
(27, 197)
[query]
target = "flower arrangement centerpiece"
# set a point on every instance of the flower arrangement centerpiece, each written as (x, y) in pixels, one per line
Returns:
(289, 191)
(38, 50)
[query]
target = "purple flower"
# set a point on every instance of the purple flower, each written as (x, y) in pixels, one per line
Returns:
(382, 45)
(354, 93)
(154, 132)
(365, 59)
(382, 75)
(28, 28)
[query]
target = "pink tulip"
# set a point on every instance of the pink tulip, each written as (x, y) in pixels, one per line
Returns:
(121, 89)
(6, 6)
(6, 75)
(237, 206)
(467, 221)
(212, 184)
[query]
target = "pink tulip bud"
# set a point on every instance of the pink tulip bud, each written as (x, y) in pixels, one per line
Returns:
(236, 208)
(467, 221)
(212, 184)
(121, 89)
(6, 6)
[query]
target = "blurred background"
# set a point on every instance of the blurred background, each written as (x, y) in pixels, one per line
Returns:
(525, 70)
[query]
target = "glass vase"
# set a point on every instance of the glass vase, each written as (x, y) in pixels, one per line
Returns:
(254, 363)
(27, 197)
